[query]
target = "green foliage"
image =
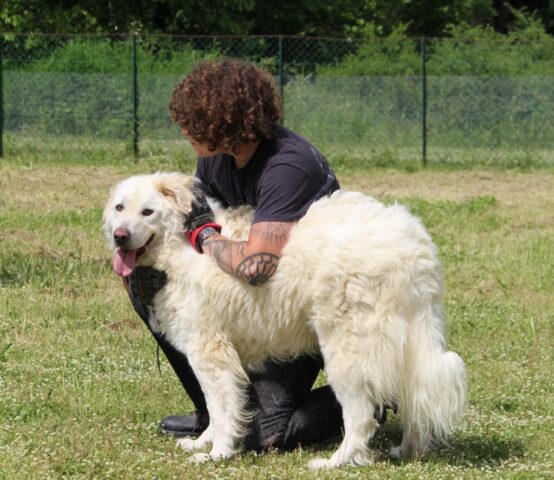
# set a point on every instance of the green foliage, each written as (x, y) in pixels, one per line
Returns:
(526, 50)
(244, 17)
(120, 16)
(419, 17)
(104, 55)
(84, 55)
(394, 55)
(48, 16)
(466, 50)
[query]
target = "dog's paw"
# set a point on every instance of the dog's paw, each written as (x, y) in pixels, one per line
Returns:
(222, 453)
(359, 459)
(187, 444)
(321, 464)
(200, 458)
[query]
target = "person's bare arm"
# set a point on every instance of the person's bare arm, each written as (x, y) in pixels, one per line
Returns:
(255, 260)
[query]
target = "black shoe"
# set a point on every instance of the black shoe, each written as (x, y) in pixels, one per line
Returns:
(185, 426)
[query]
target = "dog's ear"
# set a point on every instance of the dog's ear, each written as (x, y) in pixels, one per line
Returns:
(178, 189)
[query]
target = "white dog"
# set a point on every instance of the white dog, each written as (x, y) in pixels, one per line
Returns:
(357, 280)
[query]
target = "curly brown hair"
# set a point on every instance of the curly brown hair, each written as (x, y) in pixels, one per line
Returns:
(225, 103)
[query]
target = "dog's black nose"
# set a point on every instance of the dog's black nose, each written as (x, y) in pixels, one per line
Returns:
(121, 236)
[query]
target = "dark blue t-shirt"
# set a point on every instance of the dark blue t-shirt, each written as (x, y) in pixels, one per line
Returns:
(283, 178)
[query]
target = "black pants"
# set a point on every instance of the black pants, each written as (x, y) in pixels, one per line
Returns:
(287, 411)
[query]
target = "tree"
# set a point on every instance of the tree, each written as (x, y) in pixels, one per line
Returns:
(122, 16)
(245, 17)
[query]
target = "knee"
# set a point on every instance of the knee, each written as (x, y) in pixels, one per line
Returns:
(317, 419)
(267, 432)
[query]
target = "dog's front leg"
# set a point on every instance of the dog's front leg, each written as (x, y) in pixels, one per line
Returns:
(224, 382)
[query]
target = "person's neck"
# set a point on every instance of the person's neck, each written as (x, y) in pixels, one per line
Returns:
(245, 154)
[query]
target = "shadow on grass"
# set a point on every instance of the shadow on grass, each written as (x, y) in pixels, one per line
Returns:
(478, 450)
(467, 450)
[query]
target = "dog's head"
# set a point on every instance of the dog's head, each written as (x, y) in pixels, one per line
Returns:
(145, 212)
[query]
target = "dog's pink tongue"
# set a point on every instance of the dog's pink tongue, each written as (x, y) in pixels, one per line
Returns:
(124, 262)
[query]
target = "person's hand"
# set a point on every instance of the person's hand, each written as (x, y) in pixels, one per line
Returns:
(201, 213)
(200, 223)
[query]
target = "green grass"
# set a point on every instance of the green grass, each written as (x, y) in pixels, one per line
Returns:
(80, 391)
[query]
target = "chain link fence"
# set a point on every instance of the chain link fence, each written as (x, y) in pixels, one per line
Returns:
(382, 101)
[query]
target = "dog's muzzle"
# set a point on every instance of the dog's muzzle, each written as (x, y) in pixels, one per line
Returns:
(121, 236)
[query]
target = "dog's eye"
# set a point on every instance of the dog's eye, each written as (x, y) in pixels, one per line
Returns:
(147, 212)
(119, 207)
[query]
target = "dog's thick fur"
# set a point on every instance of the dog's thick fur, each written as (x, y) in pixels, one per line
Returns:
(357, 280)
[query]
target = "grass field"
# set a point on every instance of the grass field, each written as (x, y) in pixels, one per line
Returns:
(80, 391)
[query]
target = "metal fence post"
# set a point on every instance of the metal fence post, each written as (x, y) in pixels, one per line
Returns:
(1, 96)
(280, 73)
(134, 93)
(423, 102)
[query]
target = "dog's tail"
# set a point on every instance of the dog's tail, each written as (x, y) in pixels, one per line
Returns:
(433, 392)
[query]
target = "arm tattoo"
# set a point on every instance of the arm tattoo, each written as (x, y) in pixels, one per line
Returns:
(275, 234)
(258, 268)
(254, 265)
(221, 249)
